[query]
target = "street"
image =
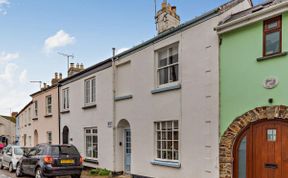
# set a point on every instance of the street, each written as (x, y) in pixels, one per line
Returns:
(4, 173)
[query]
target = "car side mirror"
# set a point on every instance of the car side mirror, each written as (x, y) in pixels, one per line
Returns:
(9, 153)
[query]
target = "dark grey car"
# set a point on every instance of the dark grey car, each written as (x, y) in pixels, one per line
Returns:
(46, 160)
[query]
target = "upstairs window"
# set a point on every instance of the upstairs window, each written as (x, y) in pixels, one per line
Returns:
(65, 98)
(168, 67)
(272, 42)
(48, 105)
(90, 91)
(36, 108)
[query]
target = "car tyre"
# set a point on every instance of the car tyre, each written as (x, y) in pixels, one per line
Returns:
(38, 173)
(19, 170)
(1, 165)
(10, 167)
(76, 176)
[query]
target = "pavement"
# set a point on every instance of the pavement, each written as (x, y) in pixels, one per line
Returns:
(4, 173)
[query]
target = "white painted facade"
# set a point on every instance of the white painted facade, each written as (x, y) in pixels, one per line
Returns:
(195, 105)
(25, 126)
(77, 117)
(140, 102)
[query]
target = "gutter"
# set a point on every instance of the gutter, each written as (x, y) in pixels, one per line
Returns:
(114, 108)
(229, 26)
(59, 117)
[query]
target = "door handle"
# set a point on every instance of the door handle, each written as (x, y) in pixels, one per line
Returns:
(271, 165)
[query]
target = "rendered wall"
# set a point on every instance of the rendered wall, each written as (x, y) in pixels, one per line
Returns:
(242, 77)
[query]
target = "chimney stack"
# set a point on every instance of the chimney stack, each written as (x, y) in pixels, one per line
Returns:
(13, 114)
(166, 18)
(55, 80)
(75, 69)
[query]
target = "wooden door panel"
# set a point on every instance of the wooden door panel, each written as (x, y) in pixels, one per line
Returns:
(284, 151)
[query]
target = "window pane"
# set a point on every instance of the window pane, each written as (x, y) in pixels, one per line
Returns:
(88, 146)
(163, 76)
(174, 73)
(272, 25)
(162, 62)
(242, 159)
(272, 43)
(93, 90)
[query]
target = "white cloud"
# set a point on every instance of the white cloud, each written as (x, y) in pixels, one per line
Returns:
(120, 50)
(6, 57)
(14, 87)
(3, 6)
(8, 76)
(60, 39)
(23, 78)
(4, 2)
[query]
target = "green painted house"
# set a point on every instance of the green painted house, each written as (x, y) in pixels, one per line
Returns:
(254, 92)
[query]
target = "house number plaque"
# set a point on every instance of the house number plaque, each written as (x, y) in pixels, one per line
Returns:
(270, 82)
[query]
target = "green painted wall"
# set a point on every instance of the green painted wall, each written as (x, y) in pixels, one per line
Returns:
(242, 77)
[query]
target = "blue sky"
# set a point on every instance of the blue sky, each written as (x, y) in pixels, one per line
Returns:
(33, 31)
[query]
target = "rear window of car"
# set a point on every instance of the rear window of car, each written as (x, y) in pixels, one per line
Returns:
(64, 150)
(18, 151)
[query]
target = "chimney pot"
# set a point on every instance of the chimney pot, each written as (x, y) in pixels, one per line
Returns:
(81, 66)
(56, 75)
(71, 65)
(45, 85)
(77, 66)
(60, 76)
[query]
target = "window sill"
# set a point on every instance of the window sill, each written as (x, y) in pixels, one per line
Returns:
(65, 112)
(89, 106)
(271, 56)
(165, 89)
(120, 98)
(91, 161)
(166, 163)
(48, 115)
(35, 119)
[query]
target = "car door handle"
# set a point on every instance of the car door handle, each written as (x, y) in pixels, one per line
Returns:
(271, 166)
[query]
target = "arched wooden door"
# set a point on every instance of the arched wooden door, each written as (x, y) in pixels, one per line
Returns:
(262, 151)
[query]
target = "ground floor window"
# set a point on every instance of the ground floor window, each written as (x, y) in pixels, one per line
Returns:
(91, 142)
(49, 137)
(167, 140)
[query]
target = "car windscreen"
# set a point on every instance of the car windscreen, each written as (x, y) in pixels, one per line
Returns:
(18, 151)
(64, 150)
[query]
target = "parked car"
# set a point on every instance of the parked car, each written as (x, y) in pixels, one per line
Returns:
(10, 157)
(45, 160)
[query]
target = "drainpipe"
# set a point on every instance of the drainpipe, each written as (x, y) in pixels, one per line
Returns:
(59, 118)
(114, 109)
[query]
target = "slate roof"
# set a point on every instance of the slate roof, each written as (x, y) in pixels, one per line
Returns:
(251, 10)
(9, 118)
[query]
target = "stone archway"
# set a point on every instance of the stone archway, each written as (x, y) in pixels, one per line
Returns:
(236, 128)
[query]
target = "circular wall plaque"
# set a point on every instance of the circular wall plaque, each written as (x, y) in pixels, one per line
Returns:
(270, 82)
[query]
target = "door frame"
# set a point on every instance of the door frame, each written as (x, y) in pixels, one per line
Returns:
(125, 130)
(248, 131)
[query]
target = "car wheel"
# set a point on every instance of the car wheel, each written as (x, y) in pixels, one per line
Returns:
(1, 165)
(19, 170)
(76, 176)
(39, 173)
(10, 167)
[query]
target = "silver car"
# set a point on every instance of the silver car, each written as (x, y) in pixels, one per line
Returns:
(10, 157)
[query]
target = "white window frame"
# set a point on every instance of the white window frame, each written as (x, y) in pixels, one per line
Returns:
(65, 99)
(91, 134)
(167, 66)
(49, 137)
(159, 129)
(35, 109)
(48, 105)
(90, 91)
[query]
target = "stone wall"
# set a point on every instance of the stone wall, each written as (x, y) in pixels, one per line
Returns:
(236, 128)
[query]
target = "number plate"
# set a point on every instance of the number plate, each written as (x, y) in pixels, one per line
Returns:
(67, 161)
